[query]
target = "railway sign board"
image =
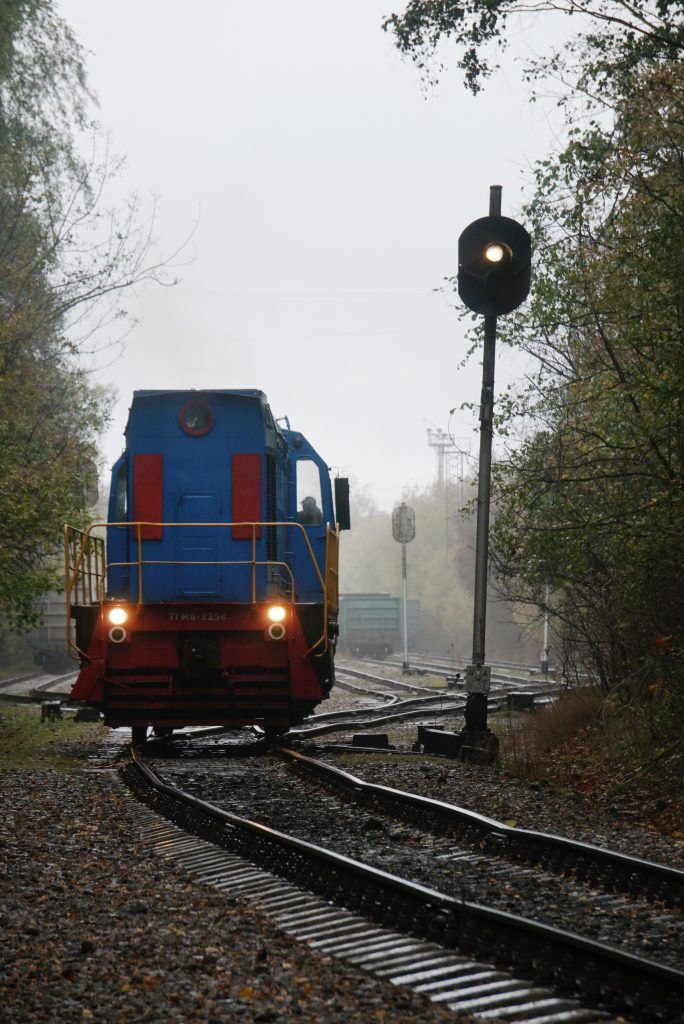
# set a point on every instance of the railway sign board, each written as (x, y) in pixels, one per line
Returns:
(403, 524)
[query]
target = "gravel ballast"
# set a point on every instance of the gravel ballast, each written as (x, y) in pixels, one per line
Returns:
(616, 824)
(93, 928)
(271, 792)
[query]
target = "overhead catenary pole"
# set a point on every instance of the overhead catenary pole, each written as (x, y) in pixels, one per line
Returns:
(441, 442)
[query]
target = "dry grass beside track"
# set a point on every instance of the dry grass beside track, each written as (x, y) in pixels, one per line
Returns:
(617, 757)
(530, 741)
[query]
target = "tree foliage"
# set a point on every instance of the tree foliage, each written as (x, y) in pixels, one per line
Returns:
(591, 500)
(630, 31)
(589, 503)
(61, 254)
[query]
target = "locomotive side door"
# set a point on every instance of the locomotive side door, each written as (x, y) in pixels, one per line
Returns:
(311, 504)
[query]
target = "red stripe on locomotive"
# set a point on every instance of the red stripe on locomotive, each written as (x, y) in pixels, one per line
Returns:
(148, 494)
(246, 494)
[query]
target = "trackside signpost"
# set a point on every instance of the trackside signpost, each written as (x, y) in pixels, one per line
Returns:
(403, 531)
(494, 273)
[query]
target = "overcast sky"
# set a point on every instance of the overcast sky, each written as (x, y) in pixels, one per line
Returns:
(330, 192)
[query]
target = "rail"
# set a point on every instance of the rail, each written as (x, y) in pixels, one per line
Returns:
(620, 871)
(86, 567)
(620, 980)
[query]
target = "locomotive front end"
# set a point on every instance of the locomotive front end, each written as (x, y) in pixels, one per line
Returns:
(214, 600)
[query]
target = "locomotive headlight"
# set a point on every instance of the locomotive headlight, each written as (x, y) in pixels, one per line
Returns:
(276, 613)
(117, 616)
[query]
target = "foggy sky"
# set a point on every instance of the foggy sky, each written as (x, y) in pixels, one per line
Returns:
(330, 192)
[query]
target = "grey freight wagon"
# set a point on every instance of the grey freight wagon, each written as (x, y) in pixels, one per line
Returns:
(371, 624)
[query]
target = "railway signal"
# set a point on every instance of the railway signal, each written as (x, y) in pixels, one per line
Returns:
(493, 279)
(403, 531)
(494, 265)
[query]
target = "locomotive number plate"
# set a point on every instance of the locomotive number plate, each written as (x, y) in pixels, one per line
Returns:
(197, 616)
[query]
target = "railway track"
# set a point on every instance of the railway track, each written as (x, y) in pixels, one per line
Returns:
(500, 683)
(614, 871)
(349, 670)
(353, 718)
(446, 667)
(344, 683)
(23, 692)
(431, 702)
(455, 950)
(47, 687)
(447, 660)
(16, 680)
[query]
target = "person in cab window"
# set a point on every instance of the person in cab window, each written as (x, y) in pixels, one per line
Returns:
(311, 514)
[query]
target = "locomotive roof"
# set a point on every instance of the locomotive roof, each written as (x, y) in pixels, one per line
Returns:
(253, 393)
(245, 392)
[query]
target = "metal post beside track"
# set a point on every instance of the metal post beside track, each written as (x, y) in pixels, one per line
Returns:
(403, 531)
(493, 279)
(478, 673)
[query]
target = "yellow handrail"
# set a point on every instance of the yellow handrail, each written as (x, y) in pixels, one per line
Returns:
(246, 561)
(253, 564)
(91, 550)
(330, 586)
(140, 564)
(86, 566)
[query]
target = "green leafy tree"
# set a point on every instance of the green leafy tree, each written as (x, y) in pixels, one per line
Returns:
(591, 500)
(588, 499)
(64, 259)
(479, 28)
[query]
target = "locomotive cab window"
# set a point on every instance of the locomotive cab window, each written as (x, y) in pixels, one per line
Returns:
(309, 502)
(121, 495)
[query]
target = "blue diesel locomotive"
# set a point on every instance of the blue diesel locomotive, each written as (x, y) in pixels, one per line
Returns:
(212, 597)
